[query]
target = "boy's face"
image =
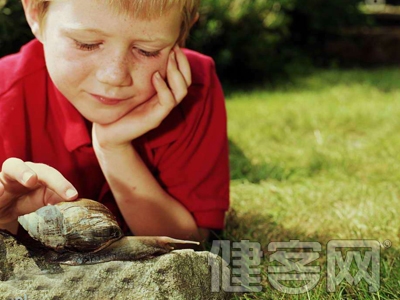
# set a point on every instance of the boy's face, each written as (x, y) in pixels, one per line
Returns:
(103, 62)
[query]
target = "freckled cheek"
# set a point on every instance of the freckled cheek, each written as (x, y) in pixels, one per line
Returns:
(149, 69)
(69, 70)
(159, 64)
(163, 67)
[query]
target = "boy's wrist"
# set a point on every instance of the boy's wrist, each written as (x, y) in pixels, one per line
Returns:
(105, 146)
(109, 153)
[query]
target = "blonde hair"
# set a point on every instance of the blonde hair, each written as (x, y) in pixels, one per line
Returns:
(146, 9)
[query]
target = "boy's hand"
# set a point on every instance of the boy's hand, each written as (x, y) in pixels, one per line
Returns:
(151, 113)
(27, 186)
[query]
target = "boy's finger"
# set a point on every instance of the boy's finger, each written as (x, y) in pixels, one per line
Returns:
(165, 97)
(54, 180)
(176, 80)
(1, 189)
(183, 65)
(26, 205)
(15, 170)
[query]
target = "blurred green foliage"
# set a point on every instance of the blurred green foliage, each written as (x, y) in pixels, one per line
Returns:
(14, 31)
(250, 40)
(244, 37)
(253, 40)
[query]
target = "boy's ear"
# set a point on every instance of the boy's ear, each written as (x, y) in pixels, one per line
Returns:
(195, 19)
(31, 16)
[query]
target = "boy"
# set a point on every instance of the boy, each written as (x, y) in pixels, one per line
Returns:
(105, 105)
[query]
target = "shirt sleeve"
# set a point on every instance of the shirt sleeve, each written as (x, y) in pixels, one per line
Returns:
(12, 125)
(194, 168)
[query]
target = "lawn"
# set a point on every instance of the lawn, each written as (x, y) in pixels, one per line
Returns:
(316, 160)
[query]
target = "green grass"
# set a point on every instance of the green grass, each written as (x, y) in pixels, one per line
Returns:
(317, 159)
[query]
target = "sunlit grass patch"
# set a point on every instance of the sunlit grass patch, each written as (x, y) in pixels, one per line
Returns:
(318, 160)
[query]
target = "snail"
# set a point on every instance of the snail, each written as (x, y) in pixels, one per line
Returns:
(86, 232)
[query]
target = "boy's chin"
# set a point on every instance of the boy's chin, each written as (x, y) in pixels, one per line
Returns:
(101, 120)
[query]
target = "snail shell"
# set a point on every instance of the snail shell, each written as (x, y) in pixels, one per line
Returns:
(85, 232)
(83, 226)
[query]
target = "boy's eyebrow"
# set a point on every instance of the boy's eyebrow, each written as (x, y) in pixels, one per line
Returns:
(70, 30)
(84, 29)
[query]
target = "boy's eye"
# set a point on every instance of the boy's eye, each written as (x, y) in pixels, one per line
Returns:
(148, 53)
(86, 47)
(91, 47)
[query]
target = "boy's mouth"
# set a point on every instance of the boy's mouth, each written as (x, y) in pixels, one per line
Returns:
(108, 101)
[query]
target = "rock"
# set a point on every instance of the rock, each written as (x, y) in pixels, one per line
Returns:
(181, 274)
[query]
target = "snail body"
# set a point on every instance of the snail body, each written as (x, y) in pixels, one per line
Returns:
(86, 232)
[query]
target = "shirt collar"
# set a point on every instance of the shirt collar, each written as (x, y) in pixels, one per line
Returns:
(71, 124)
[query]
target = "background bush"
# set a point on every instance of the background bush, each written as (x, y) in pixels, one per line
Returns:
(250, 40)
(14, 31)
(253, 40)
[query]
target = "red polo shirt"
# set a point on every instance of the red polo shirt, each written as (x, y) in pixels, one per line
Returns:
(187, 153)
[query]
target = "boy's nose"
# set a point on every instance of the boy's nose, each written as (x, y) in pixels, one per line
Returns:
(115, 72)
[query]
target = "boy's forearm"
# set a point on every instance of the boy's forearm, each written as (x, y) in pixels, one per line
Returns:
(145, 206)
